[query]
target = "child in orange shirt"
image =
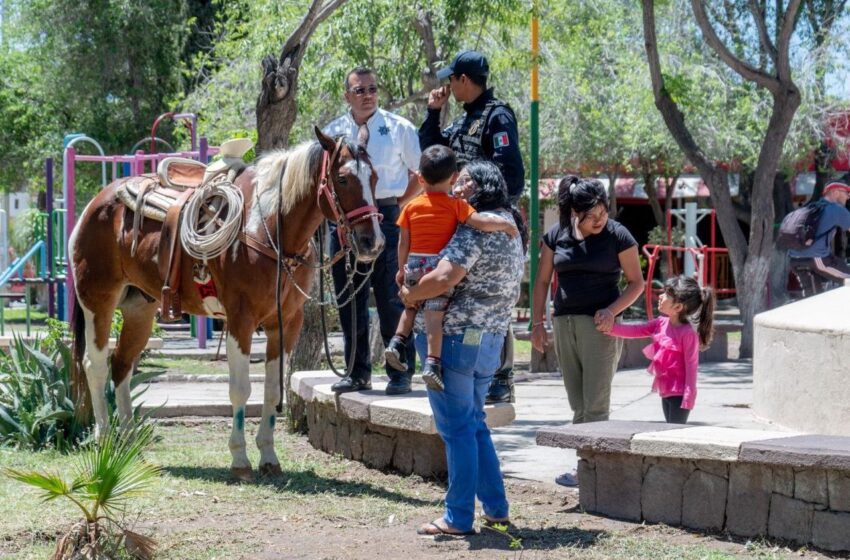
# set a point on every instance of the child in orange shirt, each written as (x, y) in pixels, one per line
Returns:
(427, 224)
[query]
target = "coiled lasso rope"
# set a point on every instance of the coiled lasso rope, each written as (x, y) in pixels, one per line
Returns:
(212, 219)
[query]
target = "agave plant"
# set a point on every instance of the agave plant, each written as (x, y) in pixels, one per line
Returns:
(107, 475)
(35, 408)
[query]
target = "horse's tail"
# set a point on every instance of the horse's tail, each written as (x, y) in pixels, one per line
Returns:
(77, 378)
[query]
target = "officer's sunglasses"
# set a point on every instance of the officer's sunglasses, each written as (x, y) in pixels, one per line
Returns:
(361, 91)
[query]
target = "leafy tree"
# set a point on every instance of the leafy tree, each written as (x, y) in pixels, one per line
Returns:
(771, 71)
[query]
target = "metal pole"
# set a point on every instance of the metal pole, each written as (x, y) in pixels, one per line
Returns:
(70, 217)
(534, 203)
(51, 265)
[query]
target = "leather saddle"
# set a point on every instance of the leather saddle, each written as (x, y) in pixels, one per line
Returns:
(161, 197)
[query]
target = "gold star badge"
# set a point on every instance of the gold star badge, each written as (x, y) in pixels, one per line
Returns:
(474, 128)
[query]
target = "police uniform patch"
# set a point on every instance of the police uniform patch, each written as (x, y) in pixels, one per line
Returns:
(474, 127)
(500, 140)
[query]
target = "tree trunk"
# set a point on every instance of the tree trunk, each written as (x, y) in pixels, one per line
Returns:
(750, 262)
(276, 114)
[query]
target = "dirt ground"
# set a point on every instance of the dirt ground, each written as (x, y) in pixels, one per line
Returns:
(326, 507)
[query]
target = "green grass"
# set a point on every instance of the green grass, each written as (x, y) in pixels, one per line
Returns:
(19, 315)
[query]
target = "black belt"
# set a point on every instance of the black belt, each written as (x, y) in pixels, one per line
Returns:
(389, 201)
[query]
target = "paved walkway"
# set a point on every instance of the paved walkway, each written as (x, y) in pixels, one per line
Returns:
(724, 398)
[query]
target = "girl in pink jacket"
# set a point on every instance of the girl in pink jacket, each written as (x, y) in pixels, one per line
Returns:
(674, 351)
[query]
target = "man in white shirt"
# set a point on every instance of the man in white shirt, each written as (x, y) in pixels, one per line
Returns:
(393, 146)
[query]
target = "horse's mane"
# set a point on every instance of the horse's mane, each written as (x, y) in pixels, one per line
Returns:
(293, 170)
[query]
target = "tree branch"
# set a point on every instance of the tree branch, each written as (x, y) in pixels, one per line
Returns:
(766, 44)
(789, 22)
(747, 71)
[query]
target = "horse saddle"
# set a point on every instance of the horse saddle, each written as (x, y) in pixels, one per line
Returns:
(161, 197)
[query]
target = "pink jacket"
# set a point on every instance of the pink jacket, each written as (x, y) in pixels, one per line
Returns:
(673, 355)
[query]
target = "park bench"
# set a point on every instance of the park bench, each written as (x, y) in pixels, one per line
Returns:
(748, 483)
(382, 432)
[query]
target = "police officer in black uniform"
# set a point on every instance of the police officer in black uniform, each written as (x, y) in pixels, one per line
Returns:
(486, 130)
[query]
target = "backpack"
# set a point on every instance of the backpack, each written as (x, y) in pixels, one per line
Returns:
(797, 230)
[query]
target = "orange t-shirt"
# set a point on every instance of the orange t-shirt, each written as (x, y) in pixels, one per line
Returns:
(431, 219)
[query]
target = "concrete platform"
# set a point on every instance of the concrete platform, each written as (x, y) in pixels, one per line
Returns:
(801, 361)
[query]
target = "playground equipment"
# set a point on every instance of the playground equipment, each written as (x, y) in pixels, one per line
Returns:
(122, 166)
(694, 258)
(48, 253)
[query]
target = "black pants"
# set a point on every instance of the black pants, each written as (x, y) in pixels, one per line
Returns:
(382, 282)
(815, 272)
(673, 411)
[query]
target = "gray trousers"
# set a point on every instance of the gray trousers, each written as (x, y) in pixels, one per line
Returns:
(588, 360)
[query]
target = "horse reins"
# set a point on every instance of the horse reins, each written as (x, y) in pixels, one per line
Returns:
(345, 223)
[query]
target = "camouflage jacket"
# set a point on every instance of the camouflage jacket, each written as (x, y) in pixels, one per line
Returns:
(486, 296)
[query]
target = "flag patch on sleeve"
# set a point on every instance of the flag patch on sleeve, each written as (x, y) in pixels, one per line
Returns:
(500, 140)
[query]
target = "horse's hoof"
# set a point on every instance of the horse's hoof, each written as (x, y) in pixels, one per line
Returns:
(271, 469)
(243, 474)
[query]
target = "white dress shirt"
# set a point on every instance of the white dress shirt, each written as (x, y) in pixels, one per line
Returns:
(393, 148)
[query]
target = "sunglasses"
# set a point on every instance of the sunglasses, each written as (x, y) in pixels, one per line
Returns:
(361, 91)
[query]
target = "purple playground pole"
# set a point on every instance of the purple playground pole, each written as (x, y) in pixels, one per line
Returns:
(51, 268)
(201, 322)
(70, 219)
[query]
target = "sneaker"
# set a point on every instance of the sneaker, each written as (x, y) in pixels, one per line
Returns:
(501, 388)
(569, 479)
(432, 375)
(395, 354)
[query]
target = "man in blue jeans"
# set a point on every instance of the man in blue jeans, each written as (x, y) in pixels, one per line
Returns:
(393, 147)
(485, 270)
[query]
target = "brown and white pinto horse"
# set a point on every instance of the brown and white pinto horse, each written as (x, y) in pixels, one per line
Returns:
(315, 180)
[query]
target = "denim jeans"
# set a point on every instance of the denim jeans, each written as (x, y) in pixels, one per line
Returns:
(459, 416)
(387, 301)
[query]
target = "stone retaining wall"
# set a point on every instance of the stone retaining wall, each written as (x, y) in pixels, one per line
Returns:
(382, 432)
(375, 446)
(745, 499)
(747, 482)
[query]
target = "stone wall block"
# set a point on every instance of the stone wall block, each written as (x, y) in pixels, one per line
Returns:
(355, 433)
(704, 501)
(790, 519)
(429, 457)
(783, 481)
(831, 530)
(838, 485)
(403, 456)
(810, 486)
(343, 438)
(717, 468)
(661, 493)
(750, 487)
(377, 450)
(618, 483)
(587, 484)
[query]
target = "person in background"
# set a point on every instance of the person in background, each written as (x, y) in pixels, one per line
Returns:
(487, 130)
(589, 252)
(674, 351)
(818, 262)
(393, 148)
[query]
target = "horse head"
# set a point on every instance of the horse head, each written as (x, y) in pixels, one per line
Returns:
(347, 196)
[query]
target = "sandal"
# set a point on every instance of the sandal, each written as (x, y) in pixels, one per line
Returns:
(440, 527)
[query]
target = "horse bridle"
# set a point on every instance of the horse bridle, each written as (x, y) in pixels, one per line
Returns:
(345, 220)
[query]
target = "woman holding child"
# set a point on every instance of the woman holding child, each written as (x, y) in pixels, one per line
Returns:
(485, 270)
(589, 252)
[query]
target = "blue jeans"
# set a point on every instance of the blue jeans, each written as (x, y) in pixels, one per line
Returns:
(459, 415)
(387, 301)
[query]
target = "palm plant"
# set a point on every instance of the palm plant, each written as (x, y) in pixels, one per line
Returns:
(108, 474)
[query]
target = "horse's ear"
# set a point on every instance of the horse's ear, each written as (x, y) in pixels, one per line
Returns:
(326, 141)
